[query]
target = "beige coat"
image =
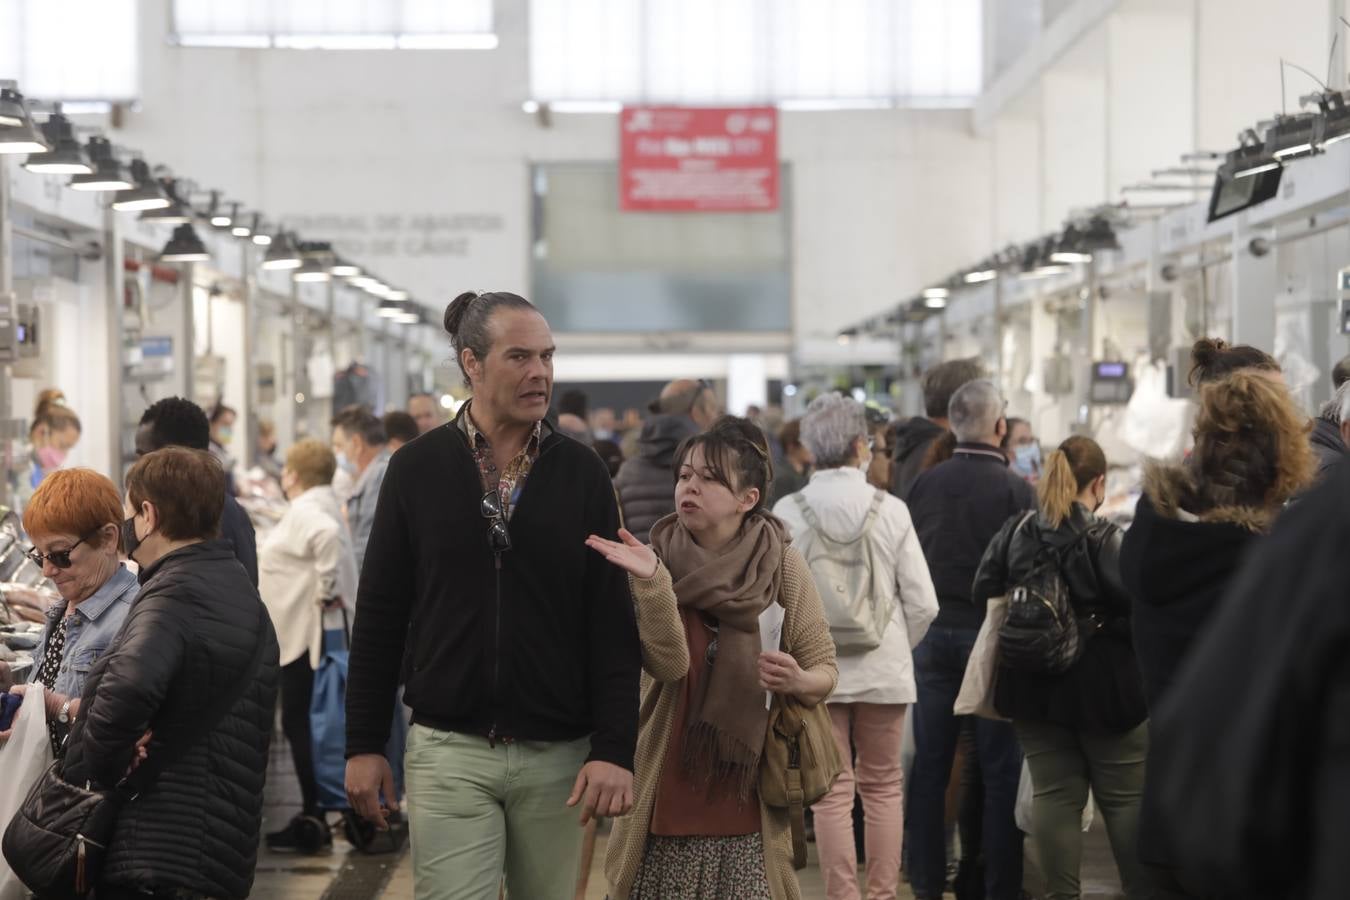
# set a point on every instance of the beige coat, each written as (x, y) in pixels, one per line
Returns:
(665, 663)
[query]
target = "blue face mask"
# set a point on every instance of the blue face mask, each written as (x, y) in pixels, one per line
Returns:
(1027, 460)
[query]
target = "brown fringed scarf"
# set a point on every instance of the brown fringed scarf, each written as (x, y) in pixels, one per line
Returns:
(727, 718)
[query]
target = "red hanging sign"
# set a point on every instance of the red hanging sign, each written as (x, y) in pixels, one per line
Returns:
(680, 159)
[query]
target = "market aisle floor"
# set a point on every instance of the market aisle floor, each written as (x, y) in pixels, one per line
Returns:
(346, 874)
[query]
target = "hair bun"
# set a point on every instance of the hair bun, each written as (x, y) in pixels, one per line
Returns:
(1206, 351)
(454, 313)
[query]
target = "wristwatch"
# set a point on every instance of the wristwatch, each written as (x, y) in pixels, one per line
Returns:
(64, 715)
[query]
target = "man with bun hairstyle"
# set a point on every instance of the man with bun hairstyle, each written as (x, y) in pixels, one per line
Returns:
(518, 647)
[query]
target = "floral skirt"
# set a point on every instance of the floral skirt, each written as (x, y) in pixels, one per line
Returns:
(702, 868)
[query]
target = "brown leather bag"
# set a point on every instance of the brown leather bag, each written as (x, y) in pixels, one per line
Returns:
(800, 763)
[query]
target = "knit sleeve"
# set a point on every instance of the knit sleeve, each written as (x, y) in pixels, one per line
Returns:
(665, 649)
(807, 636)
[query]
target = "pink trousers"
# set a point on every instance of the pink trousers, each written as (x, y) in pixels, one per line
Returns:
(868, 736)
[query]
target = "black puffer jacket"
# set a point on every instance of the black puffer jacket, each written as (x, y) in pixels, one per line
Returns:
(189, 637)
(1102, 692)
(646, 483)
(1327, 444)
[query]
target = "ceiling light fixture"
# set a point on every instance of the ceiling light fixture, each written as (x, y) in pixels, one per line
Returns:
(259, 229)
(979, 276)
(66, 156)
(316, 257)
(935, 293)
(176, 213)
(18, 133)
(1250, 158)
(108, 174)
(935, 302)
(147, 194)
(343, 269)
(282, 254)
(389, 309)
(1291, 137)
(184, 246)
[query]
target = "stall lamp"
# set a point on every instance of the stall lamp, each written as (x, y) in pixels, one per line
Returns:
(1250, 158)
(282, 254)
(220, 218)
(241, 228)
(1293, 136)
(396, 295)
(936, 293)
(343, 269)
(18, 133)
(147, 194)
(262, 240)
(316, 258)
(108, 174)
(980, 276)
(389, 309)
(176, 213)
(1335, 119)
(935, 302)
(66, 156)
(184, 246)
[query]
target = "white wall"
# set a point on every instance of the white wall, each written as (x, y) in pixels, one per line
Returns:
(418, 161)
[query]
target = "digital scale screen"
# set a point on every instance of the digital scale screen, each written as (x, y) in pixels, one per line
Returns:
(1111, 383)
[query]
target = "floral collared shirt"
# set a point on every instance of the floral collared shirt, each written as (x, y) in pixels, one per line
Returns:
(511, 481)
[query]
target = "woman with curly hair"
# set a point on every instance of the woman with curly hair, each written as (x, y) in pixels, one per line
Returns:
(1196, 521)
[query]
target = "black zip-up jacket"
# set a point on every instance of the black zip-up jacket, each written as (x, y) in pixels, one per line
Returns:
(538, 643)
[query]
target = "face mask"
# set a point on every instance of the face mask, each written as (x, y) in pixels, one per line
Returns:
(1027, 460)
(50, 457)
(345, 464)
(226, 435)
(130, 543)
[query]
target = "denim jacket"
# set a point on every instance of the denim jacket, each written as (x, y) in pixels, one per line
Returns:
(93, 625)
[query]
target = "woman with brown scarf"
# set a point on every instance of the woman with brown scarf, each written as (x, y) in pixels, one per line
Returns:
(703, 590)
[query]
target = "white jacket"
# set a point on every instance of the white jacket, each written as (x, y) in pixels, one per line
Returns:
(840, 499)
(304, 560)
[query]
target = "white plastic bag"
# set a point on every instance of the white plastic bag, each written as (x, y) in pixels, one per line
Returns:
(1026, 797)
(24, 757)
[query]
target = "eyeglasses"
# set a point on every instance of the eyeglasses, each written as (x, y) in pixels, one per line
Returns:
(58, 558)
(704, 386)
(498, 535)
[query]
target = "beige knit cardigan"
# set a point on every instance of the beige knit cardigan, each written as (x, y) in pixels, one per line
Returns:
(665, 663)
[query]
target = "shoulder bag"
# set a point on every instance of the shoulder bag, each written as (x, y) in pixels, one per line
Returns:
(57, 841)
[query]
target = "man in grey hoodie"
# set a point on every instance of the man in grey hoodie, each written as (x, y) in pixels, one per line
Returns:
(646, 483)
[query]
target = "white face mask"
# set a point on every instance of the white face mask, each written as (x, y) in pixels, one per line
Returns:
(345, 464)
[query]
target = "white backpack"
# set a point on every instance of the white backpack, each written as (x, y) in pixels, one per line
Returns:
(857, 608)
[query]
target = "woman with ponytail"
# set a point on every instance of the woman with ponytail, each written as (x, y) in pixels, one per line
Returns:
(1085, 727)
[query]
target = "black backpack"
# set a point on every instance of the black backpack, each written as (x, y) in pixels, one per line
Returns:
(1042, 632)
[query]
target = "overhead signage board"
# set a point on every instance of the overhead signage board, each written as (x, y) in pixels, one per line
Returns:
(687, 159)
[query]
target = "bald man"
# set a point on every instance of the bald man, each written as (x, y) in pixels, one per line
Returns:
(646, 483)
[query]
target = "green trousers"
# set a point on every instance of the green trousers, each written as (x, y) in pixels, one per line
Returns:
(476, 811)
(1064, 763)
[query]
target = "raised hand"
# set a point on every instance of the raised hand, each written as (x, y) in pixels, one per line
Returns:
(631, 555)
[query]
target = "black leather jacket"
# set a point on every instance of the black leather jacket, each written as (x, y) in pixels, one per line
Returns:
(1102, 692)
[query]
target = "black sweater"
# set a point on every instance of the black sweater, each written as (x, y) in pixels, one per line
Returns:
(539, 644)
(958, 507)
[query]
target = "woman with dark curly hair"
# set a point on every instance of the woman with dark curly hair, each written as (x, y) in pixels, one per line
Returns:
(1196, 521)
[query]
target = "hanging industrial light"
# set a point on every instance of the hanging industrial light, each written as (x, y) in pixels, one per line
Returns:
(260, 236)
(343, 269)
(241, 227)
(1335, 118)
(18, 133)
(1250, 158)
(408, 314)
(175, 213)
(936, 293)
(218, 213)
(1291, 137)
(282, 254)
(147, 194)
(66, 156)
(184, 246)
(315, 258)
(1069, 247)
(934, 302)
(389, 309)
(987, 270)
(108, 173)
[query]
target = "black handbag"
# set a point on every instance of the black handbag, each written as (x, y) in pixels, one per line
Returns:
(57, 840)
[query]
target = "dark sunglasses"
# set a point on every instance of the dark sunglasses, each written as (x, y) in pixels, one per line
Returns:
(58, 558)
(498, 535)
